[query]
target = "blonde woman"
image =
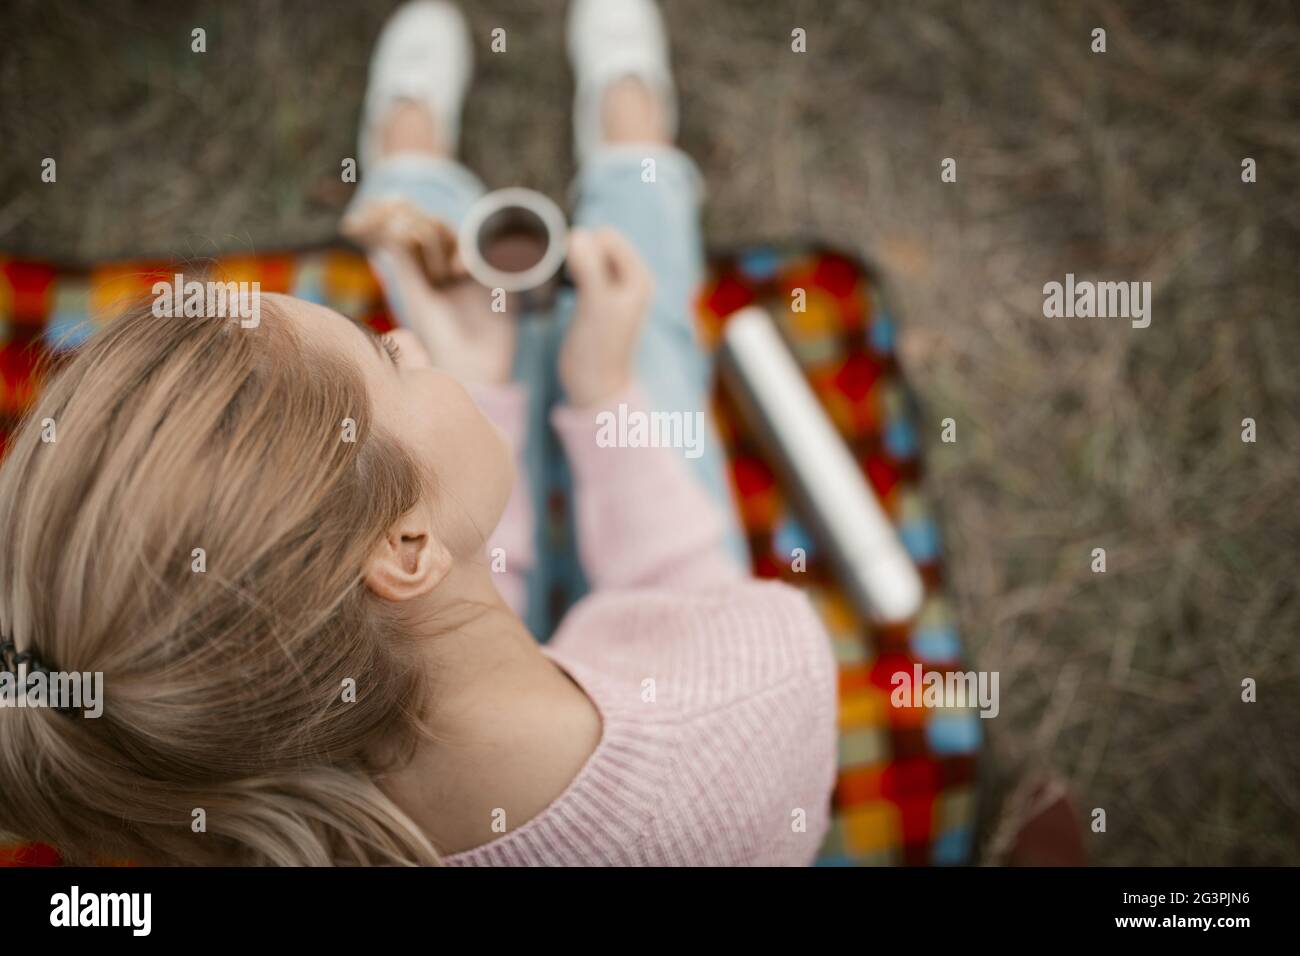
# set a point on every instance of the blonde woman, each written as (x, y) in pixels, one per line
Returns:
(347, 679)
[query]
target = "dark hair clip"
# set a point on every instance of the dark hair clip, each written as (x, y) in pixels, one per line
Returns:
(11, 659)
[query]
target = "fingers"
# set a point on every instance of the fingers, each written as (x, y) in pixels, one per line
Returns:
(584, 260)
(623, 260)
(441, 251)
(396, 224)
(365, 225)
(632, 272)
(605, 257)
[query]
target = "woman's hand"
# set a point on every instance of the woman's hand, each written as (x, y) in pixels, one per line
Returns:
(398, 225)
(452, 316)
(456, 324)
(614, 288)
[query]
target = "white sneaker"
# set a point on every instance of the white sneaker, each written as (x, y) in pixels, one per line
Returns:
(423, 54)
(609, 40)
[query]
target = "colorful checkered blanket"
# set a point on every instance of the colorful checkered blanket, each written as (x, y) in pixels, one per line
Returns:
(906, 787)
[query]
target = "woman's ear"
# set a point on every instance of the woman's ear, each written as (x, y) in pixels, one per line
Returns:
(409, 561)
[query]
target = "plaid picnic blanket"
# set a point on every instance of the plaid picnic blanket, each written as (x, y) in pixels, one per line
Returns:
(905, 793)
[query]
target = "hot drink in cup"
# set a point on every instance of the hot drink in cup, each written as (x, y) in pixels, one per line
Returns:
(514, 240)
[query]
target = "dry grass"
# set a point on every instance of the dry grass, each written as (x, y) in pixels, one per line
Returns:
(1072, 434)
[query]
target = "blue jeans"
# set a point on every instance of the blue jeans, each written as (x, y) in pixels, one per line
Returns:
(661, 219)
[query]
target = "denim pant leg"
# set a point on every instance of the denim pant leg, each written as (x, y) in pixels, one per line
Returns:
(657, 208)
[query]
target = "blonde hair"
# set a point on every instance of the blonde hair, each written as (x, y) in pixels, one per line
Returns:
(223, 689)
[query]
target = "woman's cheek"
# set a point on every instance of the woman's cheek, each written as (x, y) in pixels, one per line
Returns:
(437, 422)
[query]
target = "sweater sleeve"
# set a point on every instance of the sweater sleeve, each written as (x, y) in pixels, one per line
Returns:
(510, 549)
(642, 518)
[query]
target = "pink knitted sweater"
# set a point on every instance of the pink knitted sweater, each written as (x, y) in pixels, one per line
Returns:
(716, 692)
